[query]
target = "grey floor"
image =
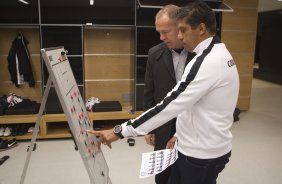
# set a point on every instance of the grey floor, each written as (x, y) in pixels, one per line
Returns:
(256, 156)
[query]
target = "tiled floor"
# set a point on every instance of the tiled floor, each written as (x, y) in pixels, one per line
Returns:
(256, 156)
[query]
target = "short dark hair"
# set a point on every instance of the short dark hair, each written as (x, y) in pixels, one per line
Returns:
(196, 13)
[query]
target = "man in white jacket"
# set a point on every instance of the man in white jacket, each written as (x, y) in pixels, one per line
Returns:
(203, 102)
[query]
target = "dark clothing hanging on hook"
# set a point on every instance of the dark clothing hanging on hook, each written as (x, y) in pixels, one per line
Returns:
(19, 63)
(19, 35)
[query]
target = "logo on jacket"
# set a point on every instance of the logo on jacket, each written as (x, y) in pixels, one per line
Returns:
(231, 63)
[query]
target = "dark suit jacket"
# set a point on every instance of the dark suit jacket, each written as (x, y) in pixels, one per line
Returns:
(159, 80)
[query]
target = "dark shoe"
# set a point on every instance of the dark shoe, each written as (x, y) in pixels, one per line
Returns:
(131, 142)
(15, 130)
(236, 114)
(22, 130)
(7, 144)
(3, 159)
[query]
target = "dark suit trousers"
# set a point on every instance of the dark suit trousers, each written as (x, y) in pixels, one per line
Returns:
(162, 136)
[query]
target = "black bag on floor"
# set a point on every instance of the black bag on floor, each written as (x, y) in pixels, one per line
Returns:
(107, 106)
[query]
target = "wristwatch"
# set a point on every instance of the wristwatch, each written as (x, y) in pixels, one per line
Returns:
(117, 131)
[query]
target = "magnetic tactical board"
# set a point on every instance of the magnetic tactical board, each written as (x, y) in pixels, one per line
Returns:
(72, 103)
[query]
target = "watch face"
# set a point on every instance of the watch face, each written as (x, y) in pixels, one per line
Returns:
(117, 129)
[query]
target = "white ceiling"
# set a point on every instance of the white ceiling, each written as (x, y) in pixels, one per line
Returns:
(268, 5)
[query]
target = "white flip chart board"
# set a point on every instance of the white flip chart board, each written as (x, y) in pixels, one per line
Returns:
(72, 103)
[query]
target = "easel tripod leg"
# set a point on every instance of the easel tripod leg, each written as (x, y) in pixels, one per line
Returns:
(36, 129)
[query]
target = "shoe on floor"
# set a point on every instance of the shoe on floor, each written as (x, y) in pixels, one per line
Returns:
(22, 130)
(8, 131)
(30, 129)
(131, 142)
(3, 159)
(8, 144)
(15, 130)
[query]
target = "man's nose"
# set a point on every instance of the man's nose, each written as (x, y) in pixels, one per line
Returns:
(179, 36)
(162, 36)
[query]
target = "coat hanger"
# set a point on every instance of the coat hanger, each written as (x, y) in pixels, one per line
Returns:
(19, 35)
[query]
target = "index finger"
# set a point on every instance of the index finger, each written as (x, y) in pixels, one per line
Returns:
(97, 133)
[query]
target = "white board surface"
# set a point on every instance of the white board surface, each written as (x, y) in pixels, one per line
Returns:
(72, 103)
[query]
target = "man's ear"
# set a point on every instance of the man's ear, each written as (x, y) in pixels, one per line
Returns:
(202, 28)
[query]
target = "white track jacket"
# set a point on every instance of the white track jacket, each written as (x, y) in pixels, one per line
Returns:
(203, 102)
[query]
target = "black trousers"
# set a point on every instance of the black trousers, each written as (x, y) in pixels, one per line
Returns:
(188, 170)
(162, 178)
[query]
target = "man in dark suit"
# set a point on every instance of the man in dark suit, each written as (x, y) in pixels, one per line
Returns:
(165, 66)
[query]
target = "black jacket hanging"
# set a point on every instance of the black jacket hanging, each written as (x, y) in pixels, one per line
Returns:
(19, 63)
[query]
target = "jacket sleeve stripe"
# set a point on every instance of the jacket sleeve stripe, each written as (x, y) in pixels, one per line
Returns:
(174, 94)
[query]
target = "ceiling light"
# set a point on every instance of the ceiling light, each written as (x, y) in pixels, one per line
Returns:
(91, 2)
(23, 1)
